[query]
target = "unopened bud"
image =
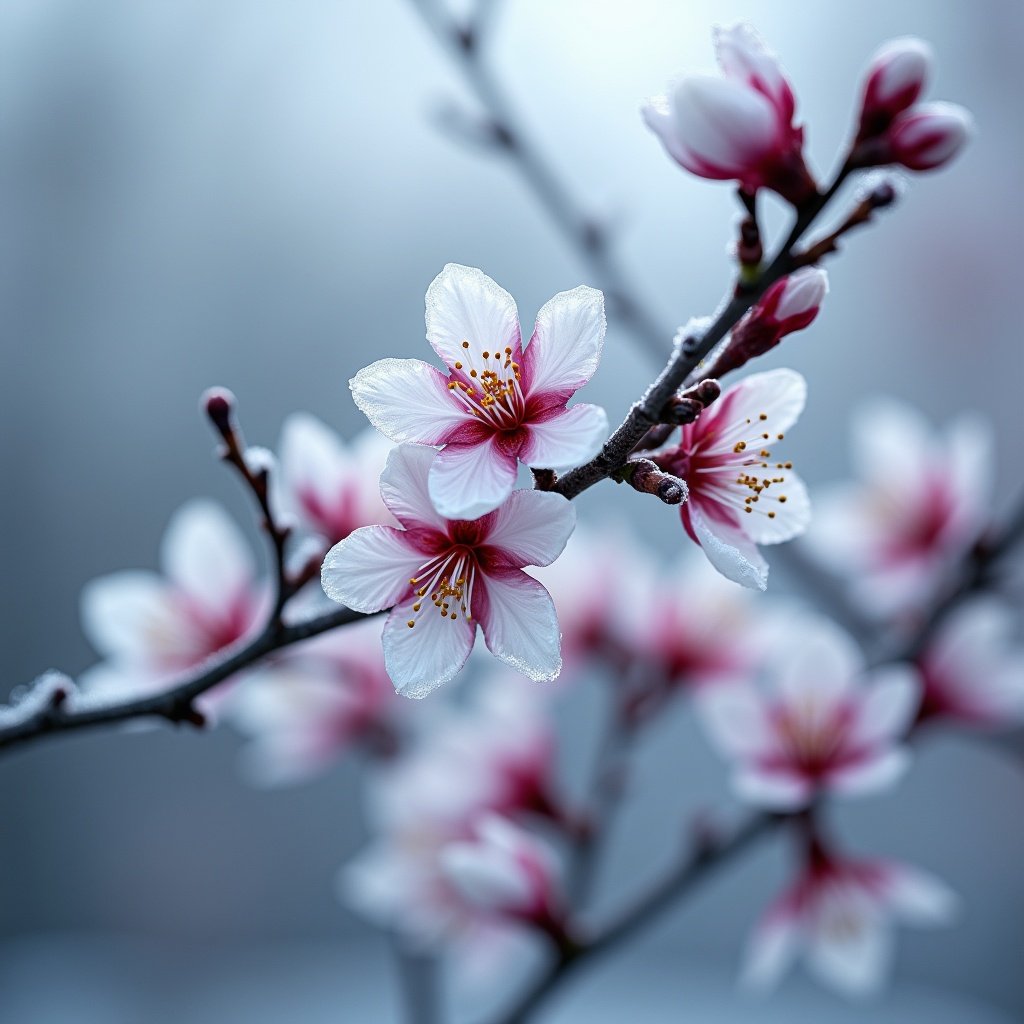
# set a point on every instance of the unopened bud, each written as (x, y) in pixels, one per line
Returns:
(648, 478)
(929, 135)
(895, 80)
(219, 405)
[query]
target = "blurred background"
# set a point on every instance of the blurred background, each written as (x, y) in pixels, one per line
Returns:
(198, 192)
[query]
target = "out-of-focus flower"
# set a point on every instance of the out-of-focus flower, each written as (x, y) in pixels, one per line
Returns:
(500, 404)
(839, 917)
(305, 708)
(739, 126)
(973, 669)
(790, 305)
(815, 724)
(504, 870)
(740, 495)
(152, 627)
(441, 577)
(893, 127)
(920, 502)
(327, 486)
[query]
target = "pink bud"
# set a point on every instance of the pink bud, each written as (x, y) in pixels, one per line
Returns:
(929, 135)
(896, 78)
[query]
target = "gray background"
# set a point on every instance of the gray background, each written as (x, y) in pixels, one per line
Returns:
(252, 193)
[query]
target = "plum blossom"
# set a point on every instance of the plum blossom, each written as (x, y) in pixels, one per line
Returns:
(442, 577)
(500, 404)
(328, 487)
(818, 723)
(304, 709)
(839, 916)
(151, 627)
(739, 126)
(973, 668)
(920, 501)
(741, 495)
(929, 135)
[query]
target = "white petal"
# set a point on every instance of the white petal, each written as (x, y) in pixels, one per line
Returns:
(464, 304)
(658, 117)
(772, 947)
(872, 774)
(818, 666)
(567, 340)
(733, 714)
(468, 480)
(775, 790)
(404, 488)
(206, 555)
(126, 613)
(312, 458)
(519, 624)
(778, 394)
(854, 955)
(892, 448)
(730, 551)
(888, 707)
(566, 440)
(432, 652)
(792, 516)
(408, 400)
(804, 290)
(532, 526)
(742, 55)
(919, 898)
(370, 569)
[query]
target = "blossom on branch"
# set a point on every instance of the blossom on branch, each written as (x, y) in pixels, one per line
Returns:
(741, 495)
(442, 577)
(500, 404)
(839, 917)
(816, 724)
(739, 126)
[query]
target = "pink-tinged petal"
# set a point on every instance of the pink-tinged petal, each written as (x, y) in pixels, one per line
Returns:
(404, 487)
(773, 789)
(891, 447)
(408, 400)
(772, 948)
(729, 550)
(370, 569)
(851, 948)
(468, 480)
(421, 658)
(871, 774)
(743, 56)
(205, 554)
(818, 667)
(779, 395)
(566, 345)
(792, 516)
(464, 304)
(657, 114)
(567, 439)
(919, 898)
(888, 707)
(532, 527)
(130, 614)
(734, 716)
(518, 620)
(312, 459)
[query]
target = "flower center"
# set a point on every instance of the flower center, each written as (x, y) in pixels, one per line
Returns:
(492, 393)
(445, 583)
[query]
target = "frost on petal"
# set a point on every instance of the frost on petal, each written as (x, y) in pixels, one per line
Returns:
(432, 652)
(567, 340)
(128, 614)
(729, 550)
(204, 553)
(370, 569)
(404, 487)
(464, 304)
(735, 718)
(567, 439)
(531, 528)
(518, 620)
(408, 400)
(468, 480)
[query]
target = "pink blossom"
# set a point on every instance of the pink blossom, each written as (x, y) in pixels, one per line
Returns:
(739, 126)
(740, 494)
(929, 135)
(329, 487)
(500, 404)
(895, 79)
(919, 502)
(973, 668)
(839, 916)
(153, 627)
(305, 708)
(442, 577)
(816, 724)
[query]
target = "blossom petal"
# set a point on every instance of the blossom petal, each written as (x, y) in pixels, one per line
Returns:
(919, 898)
(566, 345)
(464, 304)
(532, 527)
(734, 716)
(774, 789)
(888, 707)
(792, 516)
(779, 395)
(468, 480)
(519, 623)
(657, 115)
(870, 774)
(853, 956)
(404, 487)
(421, 658)
(567, 439)
(729, 550)
(204, 553)
(125, 612)
(819, 665)
(772, 948)
(370, 569)
(408, 400)
(312, 458)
